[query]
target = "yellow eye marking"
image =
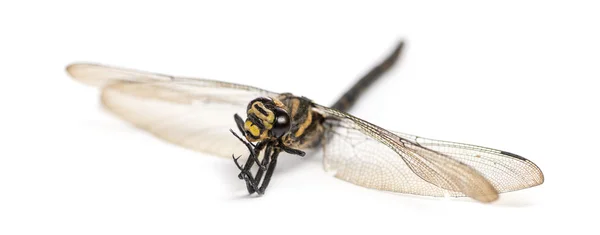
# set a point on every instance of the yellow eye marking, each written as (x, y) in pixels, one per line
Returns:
(304, 125)
(268, 125)
(268, 119)
(251, 128)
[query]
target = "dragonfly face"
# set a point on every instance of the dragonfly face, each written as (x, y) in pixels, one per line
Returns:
(267, 123)
(266, 119)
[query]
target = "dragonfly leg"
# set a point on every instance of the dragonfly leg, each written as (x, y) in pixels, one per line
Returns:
(246, 175)
(291, 150)
(266, 165)
(251, 186)
(252, 183)
(239, 122)
(264, 162)
(269, 172)
(251, 148)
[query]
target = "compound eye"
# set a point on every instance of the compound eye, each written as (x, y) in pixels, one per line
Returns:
(282, 123)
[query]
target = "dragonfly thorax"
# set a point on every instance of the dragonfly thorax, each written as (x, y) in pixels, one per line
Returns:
(266, 119)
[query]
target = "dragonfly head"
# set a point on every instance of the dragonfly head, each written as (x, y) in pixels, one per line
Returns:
(266, 119)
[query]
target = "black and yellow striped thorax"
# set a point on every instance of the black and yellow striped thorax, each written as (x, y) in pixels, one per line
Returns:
(307, 126)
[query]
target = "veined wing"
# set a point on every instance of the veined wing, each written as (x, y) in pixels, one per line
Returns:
(370, 156)
(506, 171)
(190, 112)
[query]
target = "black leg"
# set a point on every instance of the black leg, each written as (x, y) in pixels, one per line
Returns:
(266, 165)
(239, 122)
(269, 173)
(293, 151)
(251, 186)
(245, 174)
(252, 182)
(264, 162)
(251, 148)
(270, 158)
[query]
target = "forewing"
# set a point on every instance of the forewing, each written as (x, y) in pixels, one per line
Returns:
(506, 171)
(100, 75)
(370, 156)
(193, 113)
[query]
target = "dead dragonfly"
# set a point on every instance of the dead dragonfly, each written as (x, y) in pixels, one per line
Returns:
(193, 112)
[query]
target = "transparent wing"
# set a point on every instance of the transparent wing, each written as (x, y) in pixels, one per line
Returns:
(193, 113)
(370, 156)
(506, 171)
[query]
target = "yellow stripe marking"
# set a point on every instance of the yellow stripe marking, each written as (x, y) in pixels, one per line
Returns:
(267, 120)
(304, 125)
(295, 105)
(252, 128)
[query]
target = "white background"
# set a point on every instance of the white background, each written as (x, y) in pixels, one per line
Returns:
(517, 75)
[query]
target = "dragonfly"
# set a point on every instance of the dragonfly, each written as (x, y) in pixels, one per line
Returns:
(196, 113)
